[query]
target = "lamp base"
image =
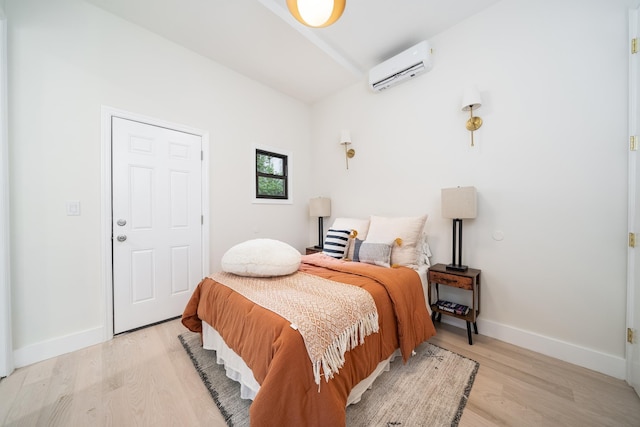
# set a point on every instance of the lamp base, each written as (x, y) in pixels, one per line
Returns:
(318, 247)
(456, 267)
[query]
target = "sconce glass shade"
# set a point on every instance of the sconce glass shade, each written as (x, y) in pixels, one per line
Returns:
(471, 99)
(459, 202)
(345, 136)
(316, 13)
(320, 207)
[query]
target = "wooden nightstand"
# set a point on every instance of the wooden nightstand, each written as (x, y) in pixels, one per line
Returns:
(312, 250)
(468, 280)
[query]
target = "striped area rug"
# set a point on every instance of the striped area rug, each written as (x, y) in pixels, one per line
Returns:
(431, 389)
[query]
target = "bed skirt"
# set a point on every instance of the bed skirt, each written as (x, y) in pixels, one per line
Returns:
(238, 371)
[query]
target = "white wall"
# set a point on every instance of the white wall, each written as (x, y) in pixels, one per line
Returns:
(550, 167)
(550, 163)
(66, 60)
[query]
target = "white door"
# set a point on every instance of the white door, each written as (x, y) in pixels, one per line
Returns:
(633, 269)
(157, 222)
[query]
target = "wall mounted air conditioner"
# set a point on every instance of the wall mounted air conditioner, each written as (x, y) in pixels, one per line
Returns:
(404, 66)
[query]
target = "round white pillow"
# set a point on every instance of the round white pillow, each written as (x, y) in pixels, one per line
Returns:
(261, 258)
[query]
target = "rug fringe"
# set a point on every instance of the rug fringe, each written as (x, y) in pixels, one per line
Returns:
(467, 390)
(205, 379)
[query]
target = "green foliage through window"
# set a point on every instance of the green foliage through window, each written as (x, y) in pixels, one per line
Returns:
(271, 175)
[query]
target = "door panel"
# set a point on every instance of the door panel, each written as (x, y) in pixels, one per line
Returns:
(157, 208)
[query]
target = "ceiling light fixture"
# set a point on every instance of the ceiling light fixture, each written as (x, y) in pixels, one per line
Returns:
(316, 13)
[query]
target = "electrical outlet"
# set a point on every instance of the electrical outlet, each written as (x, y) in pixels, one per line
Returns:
(73, 207)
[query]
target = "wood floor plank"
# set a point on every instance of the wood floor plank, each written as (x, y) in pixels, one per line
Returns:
(146, 378)
(536, 389)
(8, 394)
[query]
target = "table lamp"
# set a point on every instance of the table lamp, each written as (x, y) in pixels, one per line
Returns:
(320, 207)
(458, 203)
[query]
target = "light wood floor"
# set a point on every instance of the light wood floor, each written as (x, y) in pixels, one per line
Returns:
(145, 378)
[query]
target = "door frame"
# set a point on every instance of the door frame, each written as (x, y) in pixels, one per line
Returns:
(633, 203)
(107, 113)
(6, 340)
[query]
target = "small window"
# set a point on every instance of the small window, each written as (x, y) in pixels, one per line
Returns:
(271, 175)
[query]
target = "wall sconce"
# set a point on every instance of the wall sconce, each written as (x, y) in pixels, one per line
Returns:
(470, 100)
(316, 14)
(345, 139)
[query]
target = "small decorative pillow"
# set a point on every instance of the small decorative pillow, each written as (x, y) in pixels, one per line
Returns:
(261, 258)
(359, 228)
(336, 243)
(375, 253)
(357, 244)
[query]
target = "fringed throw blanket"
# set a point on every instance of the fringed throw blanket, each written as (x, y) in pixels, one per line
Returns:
(331, 317)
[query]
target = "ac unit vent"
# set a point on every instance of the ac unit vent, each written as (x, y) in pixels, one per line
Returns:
(404, 66)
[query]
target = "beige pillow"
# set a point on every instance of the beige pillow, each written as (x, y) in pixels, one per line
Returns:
(261, 258)
(361, 226)
(407, 229)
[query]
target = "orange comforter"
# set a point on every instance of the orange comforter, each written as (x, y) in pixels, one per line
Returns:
(277, 355)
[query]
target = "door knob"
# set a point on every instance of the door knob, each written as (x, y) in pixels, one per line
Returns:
(122, 238)
(121, 222)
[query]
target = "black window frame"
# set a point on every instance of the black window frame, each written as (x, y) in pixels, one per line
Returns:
(284, 177)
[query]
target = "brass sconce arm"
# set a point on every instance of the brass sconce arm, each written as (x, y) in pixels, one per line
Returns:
(345, 139)
(348, 152)
(473, 123)
(470, 100)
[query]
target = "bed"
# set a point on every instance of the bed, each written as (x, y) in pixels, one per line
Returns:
(267, 354)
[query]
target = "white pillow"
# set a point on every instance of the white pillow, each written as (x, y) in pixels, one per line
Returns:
(424, 251)
(361, 226)
(261, 258)
(407, 229)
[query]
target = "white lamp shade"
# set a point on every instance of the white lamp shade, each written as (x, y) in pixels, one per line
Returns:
(471, 99)
(459, 202)
(345, 136)
(320, 207)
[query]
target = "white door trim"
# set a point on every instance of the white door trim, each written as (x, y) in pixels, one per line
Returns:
(6, 346)
(106, 221)
(632, 286)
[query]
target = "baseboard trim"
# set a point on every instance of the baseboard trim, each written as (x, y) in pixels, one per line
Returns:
(588, 358)
(607, 364)
(58, 346)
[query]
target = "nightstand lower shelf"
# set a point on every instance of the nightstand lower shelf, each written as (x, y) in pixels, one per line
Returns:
(436, 315)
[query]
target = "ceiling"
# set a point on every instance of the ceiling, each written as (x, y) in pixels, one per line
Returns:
(260, 39)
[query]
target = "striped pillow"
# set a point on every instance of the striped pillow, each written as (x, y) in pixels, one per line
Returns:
(336, 243)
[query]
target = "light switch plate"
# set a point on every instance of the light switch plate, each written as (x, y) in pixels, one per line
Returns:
(73, 207)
